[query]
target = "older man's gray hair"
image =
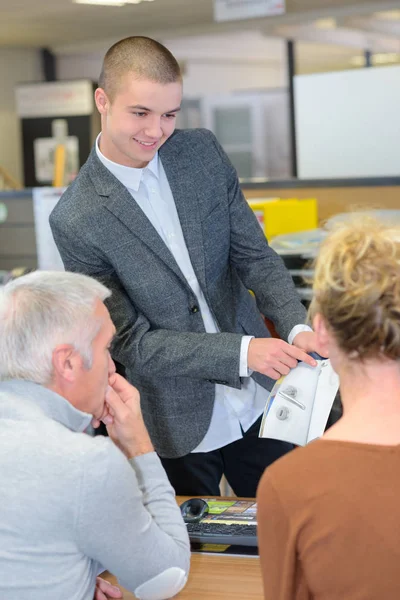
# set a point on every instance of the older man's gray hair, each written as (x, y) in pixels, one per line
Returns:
(40, 311)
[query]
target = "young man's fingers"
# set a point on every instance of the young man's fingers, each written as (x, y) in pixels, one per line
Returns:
(273, 373)
(288, 361)
(281, 367)
(300, 355)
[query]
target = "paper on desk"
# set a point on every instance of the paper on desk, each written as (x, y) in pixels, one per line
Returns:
(299, 404)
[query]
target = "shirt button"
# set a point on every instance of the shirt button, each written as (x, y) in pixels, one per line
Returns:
(194, 309)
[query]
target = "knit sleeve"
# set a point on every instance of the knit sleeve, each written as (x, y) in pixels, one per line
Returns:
(129, 522)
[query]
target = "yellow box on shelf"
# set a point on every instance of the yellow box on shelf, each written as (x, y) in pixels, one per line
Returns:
(277, 215)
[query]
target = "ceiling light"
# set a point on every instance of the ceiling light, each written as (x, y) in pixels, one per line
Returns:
(358, 61)
(385, 58)
(380, 58)
(102, 2)
(388, 15)
(325, 24)
(110, 2)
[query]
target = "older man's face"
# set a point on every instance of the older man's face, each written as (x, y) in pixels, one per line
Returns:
(92, 383)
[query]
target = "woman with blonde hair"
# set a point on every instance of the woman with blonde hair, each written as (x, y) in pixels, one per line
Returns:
(329, 513)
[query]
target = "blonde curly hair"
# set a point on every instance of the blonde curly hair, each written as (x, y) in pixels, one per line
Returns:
(357, 287)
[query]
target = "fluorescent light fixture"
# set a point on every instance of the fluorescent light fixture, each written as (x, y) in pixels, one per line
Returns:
(101, 2)
(385, 58)
(110, 2)
(388, 15)
(358, 61)
(380, 58)
(325, 23)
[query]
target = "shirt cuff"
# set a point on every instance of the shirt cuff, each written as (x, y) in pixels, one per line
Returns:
(244, 371)
(297, 329)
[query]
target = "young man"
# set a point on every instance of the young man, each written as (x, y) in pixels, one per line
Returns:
(158, 216)
(73, 505)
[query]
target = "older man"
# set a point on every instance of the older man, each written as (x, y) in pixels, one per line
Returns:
(71, 504)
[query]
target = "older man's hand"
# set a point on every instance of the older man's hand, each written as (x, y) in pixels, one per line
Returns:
(124, 421)
(106, 591)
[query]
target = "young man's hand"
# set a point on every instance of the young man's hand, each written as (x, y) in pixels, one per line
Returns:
(124, 420)
(274, 358)
(307, 341)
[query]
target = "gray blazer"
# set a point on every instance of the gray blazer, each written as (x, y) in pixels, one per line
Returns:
(100, 231)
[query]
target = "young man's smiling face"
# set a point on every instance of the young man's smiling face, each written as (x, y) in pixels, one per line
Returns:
(137, 120)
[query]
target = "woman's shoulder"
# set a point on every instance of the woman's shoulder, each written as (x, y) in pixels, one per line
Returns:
(325, 465)
(304, 467)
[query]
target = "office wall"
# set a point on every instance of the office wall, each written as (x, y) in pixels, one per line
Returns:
(348, 123)
(202, 76)
(211, 64)
(16, 65)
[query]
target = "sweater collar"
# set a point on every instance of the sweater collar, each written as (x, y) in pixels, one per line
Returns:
(48, 402)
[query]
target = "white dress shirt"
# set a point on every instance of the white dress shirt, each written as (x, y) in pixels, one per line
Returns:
(234, 410)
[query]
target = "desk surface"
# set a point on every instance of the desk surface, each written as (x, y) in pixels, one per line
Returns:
(218, 577)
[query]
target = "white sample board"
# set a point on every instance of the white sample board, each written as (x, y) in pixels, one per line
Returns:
(299, 404)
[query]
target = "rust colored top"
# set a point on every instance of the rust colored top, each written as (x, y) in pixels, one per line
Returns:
(329, 523)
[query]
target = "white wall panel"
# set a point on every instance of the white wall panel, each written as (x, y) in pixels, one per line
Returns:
(348, 123)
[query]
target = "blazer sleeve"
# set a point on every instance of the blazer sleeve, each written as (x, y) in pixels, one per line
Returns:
(282, 573)
(150, 352)
(259, 267)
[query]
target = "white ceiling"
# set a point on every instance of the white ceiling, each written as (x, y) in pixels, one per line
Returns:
(63, 25)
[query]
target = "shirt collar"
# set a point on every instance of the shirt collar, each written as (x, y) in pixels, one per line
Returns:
(128, 176)
(51, 404)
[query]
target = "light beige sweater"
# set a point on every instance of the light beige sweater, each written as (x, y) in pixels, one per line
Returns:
(71, 504)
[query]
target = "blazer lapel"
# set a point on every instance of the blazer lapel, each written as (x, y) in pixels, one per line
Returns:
(123, 206)
(178, 168)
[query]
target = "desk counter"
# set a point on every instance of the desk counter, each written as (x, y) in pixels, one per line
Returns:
(215, 576)
(218, 577)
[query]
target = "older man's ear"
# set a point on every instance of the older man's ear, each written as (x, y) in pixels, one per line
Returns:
(66, 363)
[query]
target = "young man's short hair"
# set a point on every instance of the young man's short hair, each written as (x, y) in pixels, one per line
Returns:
(141, 56)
